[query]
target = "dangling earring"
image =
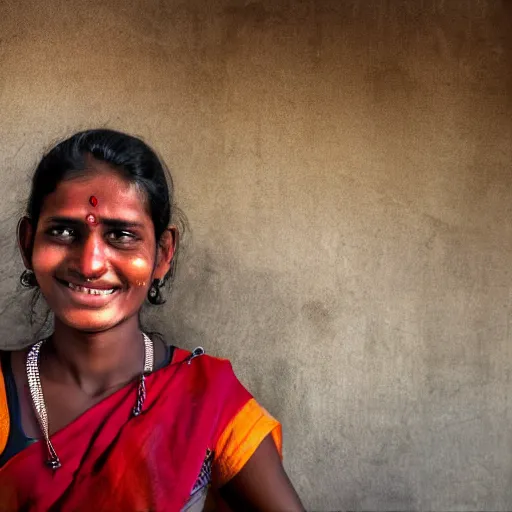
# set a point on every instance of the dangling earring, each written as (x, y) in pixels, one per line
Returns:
(28, 279)
(154, 294)
(153, 289)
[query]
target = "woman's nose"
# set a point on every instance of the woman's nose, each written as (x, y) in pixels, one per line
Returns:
(92, 260)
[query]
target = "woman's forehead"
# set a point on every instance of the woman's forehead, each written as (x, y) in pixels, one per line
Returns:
(100, 191)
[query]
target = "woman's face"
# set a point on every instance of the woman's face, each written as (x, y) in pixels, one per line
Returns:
(94, 253)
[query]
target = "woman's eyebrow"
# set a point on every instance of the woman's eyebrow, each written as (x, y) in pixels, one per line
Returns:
(110, 222)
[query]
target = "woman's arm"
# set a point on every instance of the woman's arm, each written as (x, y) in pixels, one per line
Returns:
(262, 484)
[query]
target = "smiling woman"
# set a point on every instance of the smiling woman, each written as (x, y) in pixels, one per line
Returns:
(113, 253)
(99, 415)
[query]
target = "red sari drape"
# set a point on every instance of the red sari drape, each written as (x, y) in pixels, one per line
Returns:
(113, 461)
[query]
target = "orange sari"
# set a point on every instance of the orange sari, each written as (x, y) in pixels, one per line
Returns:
(199, 426)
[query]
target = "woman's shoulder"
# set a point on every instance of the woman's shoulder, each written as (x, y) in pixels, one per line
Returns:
(207, 372)
(198, 357)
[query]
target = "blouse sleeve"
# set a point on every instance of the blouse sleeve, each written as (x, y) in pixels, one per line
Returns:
(240, 439)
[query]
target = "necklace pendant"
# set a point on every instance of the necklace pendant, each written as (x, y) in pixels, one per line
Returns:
(53, 463)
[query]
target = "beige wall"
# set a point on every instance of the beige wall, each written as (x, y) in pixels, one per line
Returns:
(345, 167)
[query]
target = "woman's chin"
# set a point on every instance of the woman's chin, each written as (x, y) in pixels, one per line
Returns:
(89, 321)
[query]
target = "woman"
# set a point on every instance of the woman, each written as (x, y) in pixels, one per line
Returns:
(99, 416)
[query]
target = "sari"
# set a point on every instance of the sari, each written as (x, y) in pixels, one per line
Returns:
(198, 427)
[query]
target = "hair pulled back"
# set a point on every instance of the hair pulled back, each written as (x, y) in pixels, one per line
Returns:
(130, 156)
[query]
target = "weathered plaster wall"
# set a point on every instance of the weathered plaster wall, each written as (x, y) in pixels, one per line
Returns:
(345, 167)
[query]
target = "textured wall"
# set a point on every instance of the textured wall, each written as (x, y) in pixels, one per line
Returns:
(345, 167)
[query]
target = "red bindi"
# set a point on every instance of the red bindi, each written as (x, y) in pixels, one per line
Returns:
(93, 201)
(91, 219)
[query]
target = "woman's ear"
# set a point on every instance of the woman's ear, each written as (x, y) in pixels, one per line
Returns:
(167, 247)
(25, 235)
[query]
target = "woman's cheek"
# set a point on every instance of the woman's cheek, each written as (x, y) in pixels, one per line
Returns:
(139, 271)
(45, 260)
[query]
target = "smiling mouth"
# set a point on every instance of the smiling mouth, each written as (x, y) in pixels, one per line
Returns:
(90, 291)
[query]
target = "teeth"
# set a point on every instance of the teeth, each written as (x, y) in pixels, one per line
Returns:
(90, 291)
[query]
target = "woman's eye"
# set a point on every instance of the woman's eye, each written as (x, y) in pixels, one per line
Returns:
(121, 237)
(62, 233)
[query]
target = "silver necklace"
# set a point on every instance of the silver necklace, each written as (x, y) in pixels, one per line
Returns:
(36, 392)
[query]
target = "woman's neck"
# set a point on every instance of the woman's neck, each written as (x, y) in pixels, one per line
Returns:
(94, 362)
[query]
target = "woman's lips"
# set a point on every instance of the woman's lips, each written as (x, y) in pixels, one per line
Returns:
(91, 291)
(90, 295)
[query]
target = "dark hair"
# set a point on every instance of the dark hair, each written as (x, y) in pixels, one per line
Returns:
(128, 155)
